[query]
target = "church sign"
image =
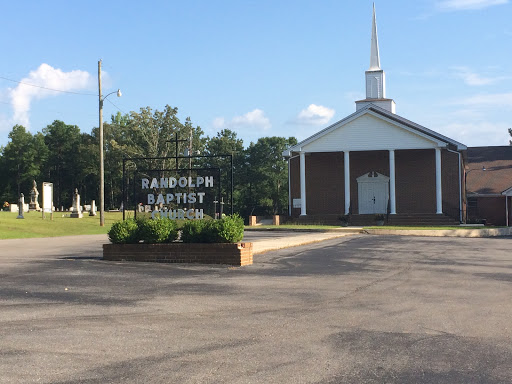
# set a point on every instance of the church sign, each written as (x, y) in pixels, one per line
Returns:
(168, 188)
(158, 187)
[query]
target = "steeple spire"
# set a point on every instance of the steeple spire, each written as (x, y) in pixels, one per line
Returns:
(374, 55)
(375, 77)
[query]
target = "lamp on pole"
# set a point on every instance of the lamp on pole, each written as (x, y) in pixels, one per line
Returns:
(466, 186)
(102, 165)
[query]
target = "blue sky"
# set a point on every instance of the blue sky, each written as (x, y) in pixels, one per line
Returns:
(260, 68)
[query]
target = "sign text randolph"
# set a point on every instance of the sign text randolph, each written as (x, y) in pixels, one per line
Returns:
(171, 183)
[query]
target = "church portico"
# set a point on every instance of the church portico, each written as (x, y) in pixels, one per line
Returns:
(408, 180)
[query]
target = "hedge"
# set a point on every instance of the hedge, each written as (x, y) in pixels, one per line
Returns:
(229, 229)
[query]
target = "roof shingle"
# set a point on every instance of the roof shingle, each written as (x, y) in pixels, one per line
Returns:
(497, 176)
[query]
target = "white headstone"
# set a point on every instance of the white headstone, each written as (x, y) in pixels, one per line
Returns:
(34, 198)
(92, 212)
(76, 209)
(21, 205)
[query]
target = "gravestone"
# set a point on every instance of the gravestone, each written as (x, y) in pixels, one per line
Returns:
(20, 206)
(34, 199)
(76, 210)
(92, 212)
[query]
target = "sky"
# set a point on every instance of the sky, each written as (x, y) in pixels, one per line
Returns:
(260, 68)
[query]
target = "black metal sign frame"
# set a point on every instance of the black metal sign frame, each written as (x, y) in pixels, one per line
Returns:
(176, 158)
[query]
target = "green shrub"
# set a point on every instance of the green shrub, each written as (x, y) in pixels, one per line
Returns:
(230, 229)
(157, 231)
(199, 231)
(227, 230)
(124, 232)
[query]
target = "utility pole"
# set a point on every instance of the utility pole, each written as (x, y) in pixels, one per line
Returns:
(102, 162)
(190, 205)
(102, 169)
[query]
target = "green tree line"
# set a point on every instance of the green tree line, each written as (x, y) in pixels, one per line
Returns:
(68, 158)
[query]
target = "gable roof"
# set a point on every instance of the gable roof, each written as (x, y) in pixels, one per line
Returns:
(385, 115)
(497, 177)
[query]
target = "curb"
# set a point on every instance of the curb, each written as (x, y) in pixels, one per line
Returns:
(485, 232)
(306, 230)
(260, 247)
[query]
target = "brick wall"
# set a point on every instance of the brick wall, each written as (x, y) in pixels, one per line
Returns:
(325, 191)
(233, 254)
(450, 183)
(295, 183)
(492, 209)
(415, 181)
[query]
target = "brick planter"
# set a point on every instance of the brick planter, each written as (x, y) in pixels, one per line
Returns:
(216, 253)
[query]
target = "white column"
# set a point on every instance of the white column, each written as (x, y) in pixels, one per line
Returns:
(439, 191)
(346, 162)
(302, 183)
(392, 185)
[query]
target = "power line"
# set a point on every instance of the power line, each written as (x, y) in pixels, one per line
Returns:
(49, 89)
(116, 106)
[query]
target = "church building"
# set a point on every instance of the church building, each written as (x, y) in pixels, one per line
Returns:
(377, 162)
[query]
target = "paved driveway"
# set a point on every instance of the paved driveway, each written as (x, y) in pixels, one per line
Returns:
(358, 309)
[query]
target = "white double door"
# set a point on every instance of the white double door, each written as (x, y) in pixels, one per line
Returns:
(373, 195)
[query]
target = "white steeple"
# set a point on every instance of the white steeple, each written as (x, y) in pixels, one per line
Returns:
(374, 56)
(375, 77)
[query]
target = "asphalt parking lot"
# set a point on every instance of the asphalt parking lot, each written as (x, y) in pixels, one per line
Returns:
(356, 309)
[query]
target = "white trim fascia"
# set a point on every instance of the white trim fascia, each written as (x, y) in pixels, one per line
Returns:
(369, 150)
(507, 192)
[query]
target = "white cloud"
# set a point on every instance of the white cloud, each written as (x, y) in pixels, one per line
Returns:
(315, 115)
(354, 96)
(48, 77)
(493, 100)
(475, 79)
(462, 5)
(255, 119)
(477, 133)
(219, 123)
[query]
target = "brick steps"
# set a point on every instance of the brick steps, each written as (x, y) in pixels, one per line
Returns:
(420, 219)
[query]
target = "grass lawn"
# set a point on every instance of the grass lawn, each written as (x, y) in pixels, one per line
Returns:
(34, 226)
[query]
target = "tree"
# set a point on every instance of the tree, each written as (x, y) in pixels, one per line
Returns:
(63, 167)
(227, 143)
(150, 134)
(21, 162)
(145, 134)
(510, 133)
(267, 175)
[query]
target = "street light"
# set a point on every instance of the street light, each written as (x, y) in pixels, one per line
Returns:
(102, 166)
(466, 187)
